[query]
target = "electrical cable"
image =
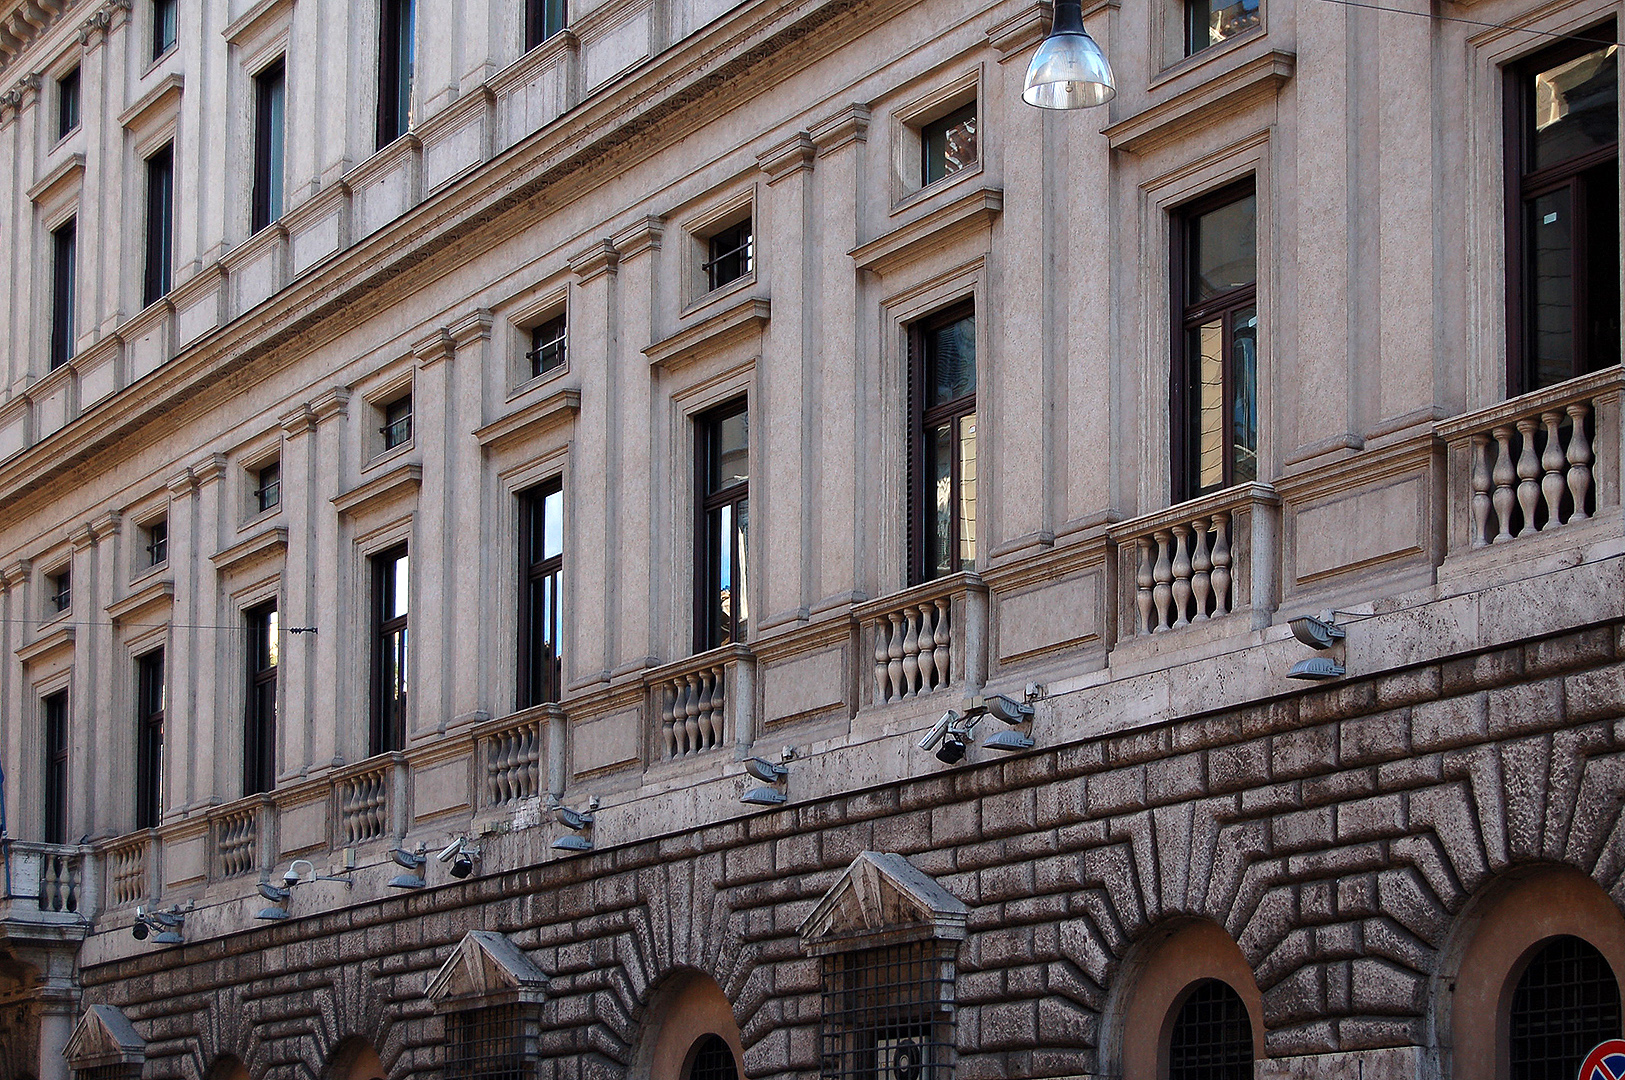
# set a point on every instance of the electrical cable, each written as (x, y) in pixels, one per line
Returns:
(1475, 22)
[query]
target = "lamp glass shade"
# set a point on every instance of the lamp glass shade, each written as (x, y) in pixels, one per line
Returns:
(1069, 72)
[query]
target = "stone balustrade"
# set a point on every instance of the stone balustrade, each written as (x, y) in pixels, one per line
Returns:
(703, 703)
(1202, 560)
(45, 882)
(928, 638)
(129, 873)
(236, 832)
(511, 761)
(361, 801)
(1537, 464)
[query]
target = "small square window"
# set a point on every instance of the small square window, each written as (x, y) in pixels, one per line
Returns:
(59, 590)
(67, 103)
(397, 429)
(268, 486)
(156, 535)
(547, 346)
(730, 254)
(949, 144)
(1208, 22)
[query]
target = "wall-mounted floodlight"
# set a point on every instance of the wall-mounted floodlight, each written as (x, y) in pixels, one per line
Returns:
(1009, 741)
(1007, 709)
(462, 853)
(572, 842)
(770, 773)
(279, 900)
(413, 862)
(1068, 71)
(1316, 668)
(1316, 633)
(576, 821)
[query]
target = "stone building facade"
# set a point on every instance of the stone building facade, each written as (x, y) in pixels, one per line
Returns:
(827, 555)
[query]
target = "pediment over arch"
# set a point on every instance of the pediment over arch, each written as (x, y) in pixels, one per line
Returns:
(103, 1036)
(880, 900)
(485, 969)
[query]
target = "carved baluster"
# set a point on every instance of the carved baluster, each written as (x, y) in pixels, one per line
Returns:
(691, 710)
(533, 760)
(943, 636)
(1579, 456)
(928, 646)
(668, 731)
(1528, 471)
(1481, 491)
(894, 653)
(1504, 475)
(708, 733)
(1222, 600)
(719, 705)
(1552, 464)
(1182, 575)
(1163, 592)
(1201, 567)
(882, 659)
(1143, 580)
(911, 653)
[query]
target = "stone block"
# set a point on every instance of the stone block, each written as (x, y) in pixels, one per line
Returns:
(1238, 766)
(956, 824)
(1408, 687)
(1410, 772)
(1339, 702)
(1370, 819)
(1175, 779)
(1496, 668)
(1450, 722)
(1529, 706)
(1304, 752)
(1116, 791)
(1568, 652)
(1376, 738)
(1348, 784)
(1598, 694)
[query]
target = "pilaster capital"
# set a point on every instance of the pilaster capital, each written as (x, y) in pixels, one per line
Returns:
(17, 573)
(297, 421)
(83, 538)
(849, 125)
(210, 469)
(106, 525)
(642, 235)
(789, 157)
(181, 484)
(434, 347)
(335, 402)
(599, 259)
(471, 328)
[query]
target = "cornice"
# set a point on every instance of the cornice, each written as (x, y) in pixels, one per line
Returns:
(17, 573)
(1025, 28)
(1241, 86)
(71, 169)
(181, 484)
(642, 235)
(209, 469)
(942, 226)
(105, 526)
(595, 261)
(475, 326)
(749, 316)
(255, 20)
(300, 420)
(153, 102)
(791, 156)
(559, 407)
(60, 637)
(335, 402)
(849, 125)
(159, 592)
(262, 544)
(398, 482)
(434, 347)
(83, 538)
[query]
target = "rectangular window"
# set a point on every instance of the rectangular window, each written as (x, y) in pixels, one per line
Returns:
(149, 777)
(722, 600)
(1215, 363)
(888, 1013)
(543, 19)
(1563, 213)
(547, 342)
(1208, 22)
(270, 87)
(730, 255)
(942, 457)
(541, 566)
(395, 45)
(160, 224)
(67, 103)
(489, 1043)
(59, 590)
(948, 145)
(268, 486)
(64, 258)
(56, 767)
(164, 13)
(259, 726)
(157, 546)
(397, 429)
(390, 595)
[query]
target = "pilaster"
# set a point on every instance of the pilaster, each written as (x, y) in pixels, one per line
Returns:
(474, 688)
(213, 729)
(594, 346)
(328, 583)
(297, 601)
(642, 475)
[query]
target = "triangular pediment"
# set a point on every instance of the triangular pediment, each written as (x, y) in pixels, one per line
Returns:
(485, 969)
(880, 899)
(104, 1037)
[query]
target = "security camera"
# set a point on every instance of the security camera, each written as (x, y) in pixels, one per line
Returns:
(938, 730)
(1007, 709)
(139, 931)
(451, 850)
(1316, 633)
(764, 770)
(952, 750)
(290, 877)
(463, 866)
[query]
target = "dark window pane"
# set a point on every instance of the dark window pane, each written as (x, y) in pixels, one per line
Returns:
(160, 223)
(543, 19)
(1212, 1037)
(713, 1060)
(268, 486)
(395, 68)
(547, 344)
(1576, 108)
(150, 739)
(730, 463)
(56, 767)
(67, 103)
(730, 255)
(259, 729)
(950, 370)
(1551, 252)
(966, 506)
(939, 475)
(64, 260)
(269, 139)
(392, 589)
(948, 144)
(397, 429)
(1224, 249)
(1566, 1002)
(1244, 394)
(158, 542)
(1209, 22)
(164, 25)
(721, 594)
(541, 570)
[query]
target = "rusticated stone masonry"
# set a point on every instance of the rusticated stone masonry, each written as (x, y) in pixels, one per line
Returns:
(1335, 834)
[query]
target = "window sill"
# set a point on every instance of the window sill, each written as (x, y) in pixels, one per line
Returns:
(146, 572)
(153, 64)
(383, 457)
(537, 381)
(260, 517)
(717, 294)
(926, 193)
(1205, 57)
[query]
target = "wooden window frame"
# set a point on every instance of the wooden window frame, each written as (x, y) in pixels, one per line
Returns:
(64, 270)
(921, 420)
(708, 628)
(741, 235)
(944, 124)
(389, 634)
(551, 333)
(539, 688)
(149, 780)
(166, 18)
(68, 103)
(1184, 484)
(260, 709)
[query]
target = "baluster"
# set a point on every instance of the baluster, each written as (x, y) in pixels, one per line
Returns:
(1182, 574)
(1201, 566)
(1481, 491)
(882, 659)
(668, 699)
(1143, 580)
(691, 712)
(911, 652)
(1552, 463)
(507, 755)
(1222, 600)
(533, 761)
(894, 653)
(928, 646)
(1579, 455)
(719, 710)
(1504, 475)
(1528, 470)
(708, 735)
(1163, 592)
(944, 638)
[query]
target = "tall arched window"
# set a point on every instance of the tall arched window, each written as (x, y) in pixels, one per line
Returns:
(1566, 1002)
(1212, 1037)
(712, 1059)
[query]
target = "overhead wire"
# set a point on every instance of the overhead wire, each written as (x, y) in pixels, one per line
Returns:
(1476, 22)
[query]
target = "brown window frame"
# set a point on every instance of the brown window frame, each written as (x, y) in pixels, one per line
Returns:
(149, 718)
(711, 631)
(1524, 185)
(159, 254)
(735, 241)
(541, 664)
(1187, 316)
(270, 143)
(260, 709)
(549, 345)
(390, 635)
(397, 427)
(64, 271)
(921, 420)
(54, 717)
(68, 102)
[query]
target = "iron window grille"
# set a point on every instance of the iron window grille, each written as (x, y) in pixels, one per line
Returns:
(547, 346)
(713, 1060)
(1566, 1002)
(149, 780)
(948, 145)
(397, 429)
(1208, 22)
(1212, 1037)
(160, 253)
(541, 572)
(259, 720)
(67, 103)
(543, 19)
(732, 255)
(158, 542)
(1562, 212)
(488, 1044)
(109, 1072)
(888, 1013)
(56, 768)
(64, 261)
(268, 486)
(60, 585)
(942, 437)
(391, 592)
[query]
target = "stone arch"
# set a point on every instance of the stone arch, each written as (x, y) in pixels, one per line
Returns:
(1154, 978)
(1491, 943)
(354, 1058)
(226, 1067)
(686, 1006)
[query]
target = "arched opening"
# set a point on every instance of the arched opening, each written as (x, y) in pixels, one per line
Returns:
(227, 1067)
(1531, 971)
(1184, 1005)
(688, 1031)
(355, 1059)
